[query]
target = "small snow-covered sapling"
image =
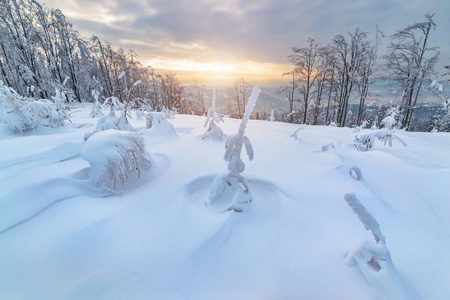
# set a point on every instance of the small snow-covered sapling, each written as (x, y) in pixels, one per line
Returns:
(213, 132)
(373, 258)
(231, 191)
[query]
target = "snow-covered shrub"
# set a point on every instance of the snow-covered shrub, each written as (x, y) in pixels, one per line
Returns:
(373, 258)
(362, 126)
(158, 122)
(365, 141)
(59, 113)
(213, 132)
(14, 111)
(169, 114)
(231, 191)
(25, 114)
(272, 116)
(111, 121)
(392, 120)
(96, 106)
(113, 156)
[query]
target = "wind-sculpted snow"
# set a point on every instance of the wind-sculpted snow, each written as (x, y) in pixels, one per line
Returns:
(64, 238)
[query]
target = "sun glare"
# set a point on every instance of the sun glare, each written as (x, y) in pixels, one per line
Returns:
(219, 72)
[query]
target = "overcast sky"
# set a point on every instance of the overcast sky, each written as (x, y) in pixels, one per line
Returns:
(235, 38)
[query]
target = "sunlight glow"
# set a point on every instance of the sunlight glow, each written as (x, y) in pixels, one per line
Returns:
(219, 72)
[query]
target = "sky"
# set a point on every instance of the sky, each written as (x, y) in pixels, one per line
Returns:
(218, 41)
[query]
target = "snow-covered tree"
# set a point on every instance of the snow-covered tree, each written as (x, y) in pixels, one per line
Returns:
(113, 156)
(231, 191)
(213, 132)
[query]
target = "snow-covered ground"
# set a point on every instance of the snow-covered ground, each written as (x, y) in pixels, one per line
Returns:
(63, 238)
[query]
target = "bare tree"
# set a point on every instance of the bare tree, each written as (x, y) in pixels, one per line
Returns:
(306, 61)
(349, 56)
(411, 60)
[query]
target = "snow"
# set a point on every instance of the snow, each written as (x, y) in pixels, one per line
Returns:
(63, 238)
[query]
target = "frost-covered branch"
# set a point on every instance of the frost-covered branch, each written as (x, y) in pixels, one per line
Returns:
(366, 141)
(365, 217)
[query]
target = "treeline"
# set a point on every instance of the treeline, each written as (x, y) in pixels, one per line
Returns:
(324, 78)
(41, 52)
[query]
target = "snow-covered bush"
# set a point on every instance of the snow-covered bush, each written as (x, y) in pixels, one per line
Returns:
(14, 111)
(373, 258)
(169, 114)
(113, 156)
(359, 128)
(96, 106)
(111, 121)
(59, 113)
(213, 132)
(158, 122)
(365, 141)
(25, 114)
(231, 191)
(392, 120)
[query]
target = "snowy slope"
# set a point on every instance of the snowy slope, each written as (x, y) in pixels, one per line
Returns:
(61, 238)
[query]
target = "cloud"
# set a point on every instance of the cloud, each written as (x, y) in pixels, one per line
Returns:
(242, 30)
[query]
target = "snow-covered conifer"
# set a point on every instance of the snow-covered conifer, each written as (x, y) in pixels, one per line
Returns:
(113, 156)
(213, 132)
(231, 191)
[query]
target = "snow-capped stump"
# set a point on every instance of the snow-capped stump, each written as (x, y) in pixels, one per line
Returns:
(364, 142)
(113, 156)
(373, 257)
(213, 132)
(231, 191)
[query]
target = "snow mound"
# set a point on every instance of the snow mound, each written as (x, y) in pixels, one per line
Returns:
(113, 156)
